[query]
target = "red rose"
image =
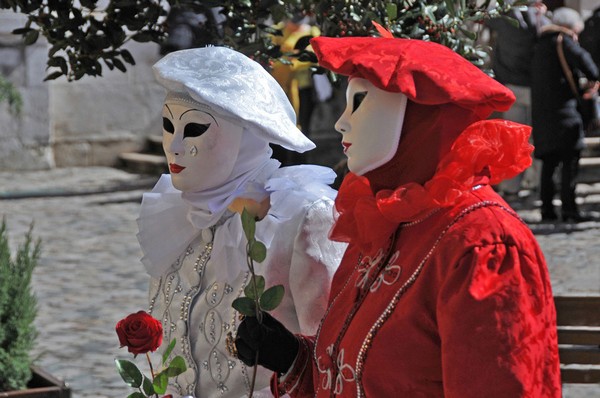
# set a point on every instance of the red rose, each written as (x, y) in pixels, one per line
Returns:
(140, 333)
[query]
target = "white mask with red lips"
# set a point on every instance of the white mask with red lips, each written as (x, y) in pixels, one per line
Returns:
(201, 147)
(371, 125)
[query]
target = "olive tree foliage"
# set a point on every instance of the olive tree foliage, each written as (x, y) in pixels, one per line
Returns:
(87, 35)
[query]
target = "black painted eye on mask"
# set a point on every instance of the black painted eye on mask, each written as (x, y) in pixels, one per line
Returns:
(195, 129)
(357, 100)
(168, 126)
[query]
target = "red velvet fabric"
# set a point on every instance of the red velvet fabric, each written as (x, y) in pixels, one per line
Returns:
(478, 321)
(496, 149)
(428, 73)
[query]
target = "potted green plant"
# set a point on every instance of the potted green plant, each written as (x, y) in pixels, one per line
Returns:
(18, 309)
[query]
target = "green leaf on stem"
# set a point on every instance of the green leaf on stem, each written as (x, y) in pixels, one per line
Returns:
(31, 37)
(245, 306)
(260, 287)
(272, 297)
(147, 387)
(258, 251)
(160, 383)
(53, 75)
(248, 224)
(136, 394)
(129, 372)
(176, 367)
(168, 351)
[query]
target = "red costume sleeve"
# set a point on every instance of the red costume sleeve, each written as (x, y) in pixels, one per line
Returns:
(496, 325)
(298, 382)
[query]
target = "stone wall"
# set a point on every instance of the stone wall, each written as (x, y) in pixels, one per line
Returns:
(95, 119)
(82, 123)
(25, 138)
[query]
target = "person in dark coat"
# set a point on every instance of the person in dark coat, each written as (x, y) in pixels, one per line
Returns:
(557, 123)
(511, 62)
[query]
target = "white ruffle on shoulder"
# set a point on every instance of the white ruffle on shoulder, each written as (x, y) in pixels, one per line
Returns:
(169, 222)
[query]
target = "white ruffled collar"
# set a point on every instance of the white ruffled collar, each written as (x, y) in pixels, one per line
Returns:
(168, 223)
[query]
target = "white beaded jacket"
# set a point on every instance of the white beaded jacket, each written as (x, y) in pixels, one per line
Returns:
(192, 297)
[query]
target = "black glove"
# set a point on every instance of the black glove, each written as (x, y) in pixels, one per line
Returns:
(277, 347)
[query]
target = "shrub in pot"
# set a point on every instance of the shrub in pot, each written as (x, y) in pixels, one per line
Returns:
(18, 309)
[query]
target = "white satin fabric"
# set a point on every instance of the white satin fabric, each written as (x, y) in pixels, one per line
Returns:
(299, 256)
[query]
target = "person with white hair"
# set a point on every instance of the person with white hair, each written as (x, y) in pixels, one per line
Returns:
(221, 112)
(512, 45)
(558, 63)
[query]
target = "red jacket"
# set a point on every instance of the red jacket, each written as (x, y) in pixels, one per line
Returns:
(466, 312)
(451, 295)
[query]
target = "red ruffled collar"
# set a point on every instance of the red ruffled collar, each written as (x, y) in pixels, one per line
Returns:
(497, 149)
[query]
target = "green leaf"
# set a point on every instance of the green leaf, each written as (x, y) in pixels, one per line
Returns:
(245, 306)
(260, 287)
(142, 37)
(127, 57)
(136, 394)
(119, 65)
(510, 20)
(450, 7)
(258, 251)
(469, 34)
(272, 297)
(160, 383)
(168, 351)
(21, 31)
(129, 372)
(430, 12)
(53, 76)
(392, 11)
(148, 387)
(31, 37)
(248, 224)
(176, 367)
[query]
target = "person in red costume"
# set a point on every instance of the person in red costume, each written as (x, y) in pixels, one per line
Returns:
(443, 290)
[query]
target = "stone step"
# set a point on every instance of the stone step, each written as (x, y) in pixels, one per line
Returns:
(154, 145)
(589, 170)
(592, 147)
(143, 163)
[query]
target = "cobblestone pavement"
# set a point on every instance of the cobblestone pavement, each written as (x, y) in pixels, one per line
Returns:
(90, 275)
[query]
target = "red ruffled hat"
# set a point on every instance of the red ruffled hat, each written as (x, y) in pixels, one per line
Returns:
(445, 146)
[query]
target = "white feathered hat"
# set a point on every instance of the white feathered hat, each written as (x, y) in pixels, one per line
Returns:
(234, 86)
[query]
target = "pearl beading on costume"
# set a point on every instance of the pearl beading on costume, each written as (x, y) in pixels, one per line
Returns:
(218, 366)
(181, 326)
(411, 280)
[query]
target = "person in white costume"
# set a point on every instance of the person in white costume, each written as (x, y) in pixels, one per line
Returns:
(221, 112)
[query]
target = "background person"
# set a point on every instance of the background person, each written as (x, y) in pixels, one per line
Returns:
(557, 122)
(511, 62)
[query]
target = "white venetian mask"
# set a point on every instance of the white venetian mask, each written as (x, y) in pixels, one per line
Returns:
(370, 125)
(201, 147)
